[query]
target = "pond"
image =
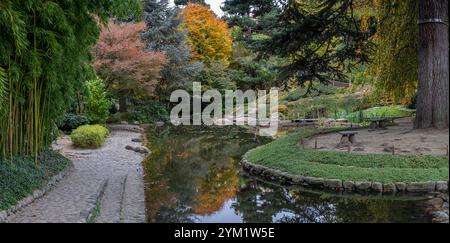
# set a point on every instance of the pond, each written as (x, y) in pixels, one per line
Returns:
(193, 175)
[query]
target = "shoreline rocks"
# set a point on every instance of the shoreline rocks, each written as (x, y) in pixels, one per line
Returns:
(437, 208)
(340, 185)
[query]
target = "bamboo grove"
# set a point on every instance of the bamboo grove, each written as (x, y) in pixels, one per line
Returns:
(44, 57)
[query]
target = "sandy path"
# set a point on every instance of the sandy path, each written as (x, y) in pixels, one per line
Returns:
(402, 137)
(106, 182)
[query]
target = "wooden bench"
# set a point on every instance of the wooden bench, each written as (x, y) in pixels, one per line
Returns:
(378, 123)
(348, 137)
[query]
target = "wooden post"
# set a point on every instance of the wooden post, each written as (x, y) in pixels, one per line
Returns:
(393, 149)
(447, 150)
(315, 144)
(302, 142)
(349, 148)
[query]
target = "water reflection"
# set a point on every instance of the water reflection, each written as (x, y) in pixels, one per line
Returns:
(192, 176)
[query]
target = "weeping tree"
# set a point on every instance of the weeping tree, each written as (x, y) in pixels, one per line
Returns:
(394, 65)
(433, 94)
(44, 50)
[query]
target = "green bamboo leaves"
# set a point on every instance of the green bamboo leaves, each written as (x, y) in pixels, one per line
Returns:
(45, 47)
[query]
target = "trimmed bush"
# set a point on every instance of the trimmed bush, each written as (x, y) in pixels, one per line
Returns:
(89, 136)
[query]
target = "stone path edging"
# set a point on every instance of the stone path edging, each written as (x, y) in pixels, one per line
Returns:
(36, 194)
(340, 185)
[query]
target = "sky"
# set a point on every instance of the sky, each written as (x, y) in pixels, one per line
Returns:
(215, 6)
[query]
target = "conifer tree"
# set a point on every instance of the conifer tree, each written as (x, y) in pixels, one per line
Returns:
(163, 34)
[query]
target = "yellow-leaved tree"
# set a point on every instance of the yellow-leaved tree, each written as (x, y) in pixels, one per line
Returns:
(208, 36)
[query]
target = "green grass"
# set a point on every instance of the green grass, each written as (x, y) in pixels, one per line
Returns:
(285, 154)
(21, 177)
(381, 112)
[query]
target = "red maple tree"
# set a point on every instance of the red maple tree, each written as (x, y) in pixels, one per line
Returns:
(120, 59)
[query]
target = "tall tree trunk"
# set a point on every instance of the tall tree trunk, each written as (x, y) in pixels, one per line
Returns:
(123, 104)
(432, 97)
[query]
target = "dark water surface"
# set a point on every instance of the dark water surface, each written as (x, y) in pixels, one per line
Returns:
(193, 175)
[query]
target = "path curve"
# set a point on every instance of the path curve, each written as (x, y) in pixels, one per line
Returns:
(106, 182)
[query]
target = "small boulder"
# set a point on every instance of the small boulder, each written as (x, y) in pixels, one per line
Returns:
(421, 187)
(435, 203)
(333, 184)
(389, 188)
(442, 186)
(136, 140)
(363, 186)
(159, 124)
(377, 187)
(349, 185)
(128, 147)
(440, 217)
(315, 182)
(3, 216)
(401, 187)
(298, 180)
(142, 150)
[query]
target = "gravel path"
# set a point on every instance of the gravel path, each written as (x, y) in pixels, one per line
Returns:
(106, 185)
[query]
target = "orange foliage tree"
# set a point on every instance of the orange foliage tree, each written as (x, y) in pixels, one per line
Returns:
(121, 61)
(208, 36)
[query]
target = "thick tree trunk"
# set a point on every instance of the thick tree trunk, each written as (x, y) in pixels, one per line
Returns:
(122, 104)
(433, 93)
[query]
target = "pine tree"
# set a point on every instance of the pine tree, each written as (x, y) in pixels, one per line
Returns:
(319, 38)
(163, 34)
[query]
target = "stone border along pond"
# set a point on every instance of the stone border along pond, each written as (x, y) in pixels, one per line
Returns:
(285, 178)
(285, 151)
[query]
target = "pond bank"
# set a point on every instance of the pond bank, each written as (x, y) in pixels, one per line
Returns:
(193, 176)
(390, 189)
(288, 161)
(105, 185)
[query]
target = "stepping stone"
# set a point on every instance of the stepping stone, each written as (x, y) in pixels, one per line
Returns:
(136, 140)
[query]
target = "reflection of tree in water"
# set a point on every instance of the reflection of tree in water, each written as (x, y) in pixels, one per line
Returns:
(257, 202)
(216, 188)
(193, 173)
(190, 174)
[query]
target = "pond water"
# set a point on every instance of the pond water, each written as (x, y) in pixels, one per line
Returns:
(193, 175)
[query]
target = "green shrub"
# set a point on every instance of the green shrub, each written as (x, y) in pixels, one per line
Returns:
(89, 136)
(149, 112)
(72, 121)
(97, 104)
